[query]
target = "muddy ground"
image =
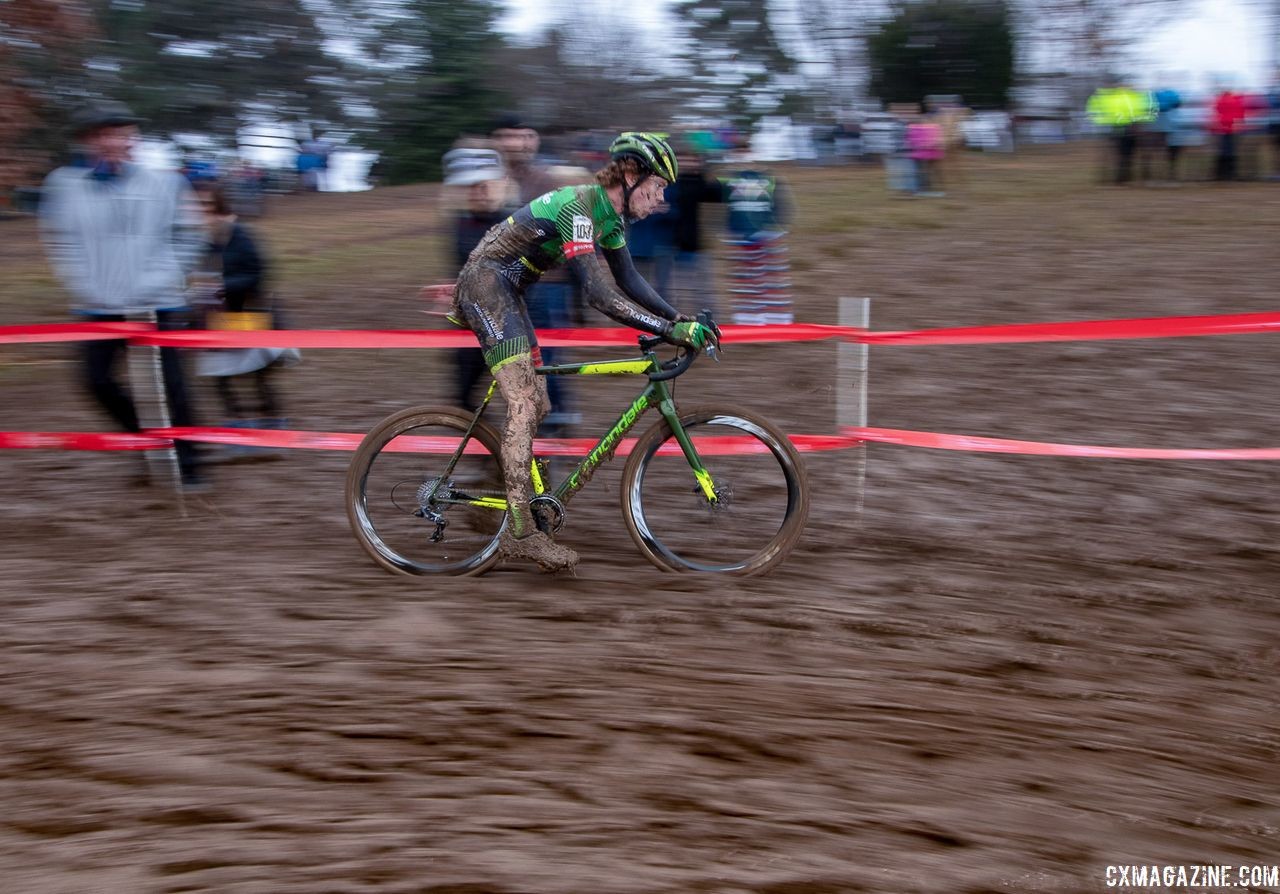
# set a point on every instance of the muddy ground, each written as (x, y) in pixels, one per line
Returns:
(1005, 675)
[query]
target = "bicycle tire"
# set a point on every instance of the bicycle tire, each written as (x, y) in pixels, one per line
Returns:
(378, 508)
(758, 520)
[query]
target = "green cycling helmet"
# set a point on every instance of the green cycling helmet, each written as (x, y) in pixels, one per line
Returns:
(652, 151)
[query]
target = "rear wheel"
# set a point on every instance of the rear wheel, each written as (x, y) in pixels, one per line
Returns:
(762, 498)
(410, 518)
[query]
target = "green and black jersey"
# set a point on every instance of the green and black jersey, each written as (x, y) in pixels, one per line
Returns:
(550, 230)
(562, 227)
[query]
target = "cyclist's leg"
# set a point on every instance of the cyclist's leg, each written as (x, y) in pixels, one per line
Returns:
(497, 316)
(527, 403)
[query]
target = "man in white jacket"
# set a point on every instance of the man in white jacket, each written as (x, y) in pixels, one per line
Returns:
(122, 239)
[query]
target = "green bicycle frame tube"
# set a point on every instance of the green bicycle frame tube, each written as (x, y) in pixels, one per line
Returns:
(655, 394)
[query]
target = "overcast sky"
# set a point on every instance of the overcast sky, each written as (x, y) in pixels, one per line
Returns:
(1223, 38)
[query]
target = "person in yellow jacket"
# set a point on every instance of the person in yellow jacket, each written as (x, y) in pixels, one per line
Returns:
(1122, 110)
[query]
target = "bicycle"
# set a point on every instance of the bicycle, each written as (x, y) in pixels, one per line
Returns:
(425, 495)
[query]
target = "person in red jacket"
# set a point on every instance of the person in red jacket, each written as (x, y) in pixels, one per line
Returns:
(1227, 121)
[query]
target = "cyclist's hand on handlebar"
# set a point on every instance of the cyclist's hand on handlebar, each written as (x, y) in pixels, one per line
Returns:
(694, 335)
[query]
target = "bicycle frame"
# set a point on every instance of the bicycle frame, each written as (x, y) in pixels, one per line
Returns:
(656, 394)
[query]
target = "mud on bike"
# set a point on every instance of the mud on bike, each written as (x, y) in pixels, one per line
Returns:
(711, 489)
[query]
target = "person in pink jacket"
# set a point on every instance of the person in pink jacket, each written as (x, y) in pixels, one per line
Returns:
(925, 147)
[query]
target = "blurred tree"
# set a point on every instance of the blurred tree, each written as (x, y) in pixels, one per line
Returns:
(42, 49)
(738, 68)
(196, 66)
(432, 64)
(829, 37)
(1091, 35)
(1084, 43)
(574, 79)
(929, 47)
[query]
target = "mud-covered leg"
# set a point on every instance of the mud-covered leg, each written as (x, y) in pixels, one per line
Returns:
(527, 404)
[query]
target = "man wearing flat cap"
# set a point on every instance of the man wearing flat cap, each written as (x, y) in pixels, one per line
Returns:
(122, 239)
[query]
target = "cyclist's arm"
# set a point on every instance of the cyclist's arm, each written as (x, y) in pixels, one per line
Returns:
(610, 302)
(633, 284)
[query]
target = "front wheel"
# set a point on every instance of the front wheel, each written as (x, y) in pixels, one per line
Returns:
(761, 496)
(407, 513)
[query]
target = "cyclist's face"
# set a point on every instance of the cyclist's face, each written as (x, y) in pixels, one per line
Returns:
(647, 196)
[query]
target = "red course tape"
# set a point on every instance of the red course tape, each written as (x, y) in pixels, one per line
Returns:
(1082, 330)
(80, 440)
(709, 446)
(454, 338)
(53, 332)
(978, 444)
(139, 333)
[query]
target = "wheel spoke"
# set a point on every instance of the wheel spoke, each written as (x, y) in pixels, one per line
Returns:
(409, 518)
(756, 516)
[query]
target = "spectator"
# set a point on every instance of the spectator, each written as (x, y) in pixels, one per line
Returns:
(1121, 110)
(478, 170)
(245, 187)
(1177, 127)
(199, 170)
(924, 145)
(651, 241)
(313, 164)
(756, 214)
(238, 273)
(899, 164)
(952, 116)
(122, 239)
(1227, 122)
(691, 290)
(1273, 124)
(518, 143)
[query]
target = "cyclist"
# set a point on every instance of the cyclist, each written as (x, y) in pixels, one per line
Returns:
(563, 226)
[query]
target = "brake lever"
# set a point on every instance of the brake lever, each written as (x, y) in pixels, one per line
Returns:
(712, 348)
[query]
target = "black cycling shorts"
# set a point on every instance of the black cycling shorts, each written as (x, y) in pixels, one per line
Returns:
(487, 303)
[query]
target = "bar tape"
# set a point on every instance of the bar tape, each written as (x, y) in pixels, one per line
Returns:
(1082, 330)
(710, 446)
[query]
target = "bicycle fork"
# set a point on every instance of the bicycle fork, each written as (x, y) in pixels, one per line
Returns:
(668, 410)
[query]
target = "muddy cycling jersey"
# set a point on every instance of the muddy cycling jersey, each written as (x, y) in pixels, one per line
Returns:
(551, 229)
(563, 226)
